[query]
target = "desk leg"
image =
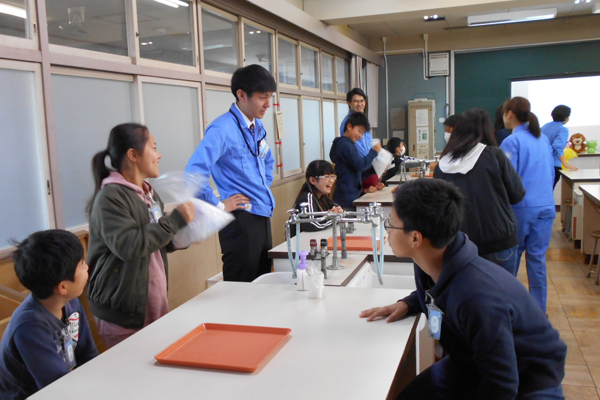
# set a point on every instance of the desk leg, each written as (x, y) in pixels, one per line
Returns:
(591, 223)
(566, 194)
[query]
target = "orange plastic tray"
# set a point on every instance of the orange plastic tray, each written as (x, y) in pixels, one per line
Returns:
(222, 346)
(356, 243)
(430, 175)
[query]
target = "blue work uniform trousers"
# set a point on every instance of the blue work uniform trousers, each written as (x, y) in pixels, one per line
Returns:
(446, 380)
(534, 228)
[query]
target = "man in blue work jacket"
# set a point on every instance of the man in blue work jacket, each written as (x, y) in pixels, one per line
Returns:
(357, 102)
(235, 151)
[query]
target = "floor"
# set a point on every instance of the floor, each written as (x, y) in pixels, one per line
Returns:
(574, 309)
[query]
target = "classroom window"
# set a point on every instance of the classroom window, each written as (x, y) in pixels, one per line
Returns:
(258, 48)
(309, 67)
(171, 114)
(85, 110)
(166, 32)
(287, 62)
(219, 39)
(88, 24)
(290, 146)
(311, 129)
(342, 75)
(342, 111)
(269, 122)
(327, 72)
(329, 126)
(23, 194)
(14, 18)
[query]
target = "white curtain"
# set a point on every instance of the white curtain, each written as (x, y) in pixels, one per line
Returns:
(368, 80)
(372, 90)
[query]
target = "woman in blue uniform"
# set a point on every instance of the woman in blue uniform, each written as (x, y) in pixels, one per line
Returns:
(531, 155)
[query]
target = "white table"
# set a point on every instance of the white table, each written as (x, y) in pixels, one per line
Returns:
(572, 180)
(591, 215)
(331, 354)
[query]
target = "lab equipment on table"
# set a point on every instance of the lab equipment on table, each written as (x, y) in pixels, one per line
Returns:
(372, 214)
(301, 283)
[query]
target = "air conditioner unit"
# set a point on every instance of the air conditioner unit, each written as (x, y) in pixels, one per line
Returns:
(511, 17)
(439, 64)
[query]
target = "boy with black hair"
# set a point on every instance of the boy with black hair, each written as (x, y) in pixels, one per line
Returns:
(349, 165)
(235, 152)
(498, 342)
(48, 334)
(558, 135)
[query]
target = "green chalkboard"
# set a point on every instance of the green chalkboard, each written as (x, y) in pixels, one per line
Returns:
(482, 79)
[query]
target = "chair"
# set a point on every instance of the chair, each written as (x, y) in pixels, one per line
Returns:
(595, 235)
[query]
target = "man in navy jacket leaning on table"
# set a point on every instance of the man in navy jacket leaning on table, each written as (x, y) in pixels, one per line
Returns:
(498, 343)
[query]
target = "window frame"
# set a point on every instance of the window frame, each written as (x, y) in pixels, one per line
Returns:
(317, 72)
(336, 58)
(333, 80)
(246, 21)
(32, 31)
(298, 78)
(228, 16)
(297, 171)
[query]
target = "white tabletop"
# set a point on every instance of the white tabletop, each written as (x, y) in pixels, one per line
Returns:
(383, 196)
(591, 190)
(582, 175)
(331, 353)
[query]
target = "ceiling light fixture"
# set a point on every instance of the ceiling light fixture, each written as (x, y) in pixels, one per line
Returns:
(511, 17)
(12, 10)
(173, 3)
(577, 1)
(434, 17)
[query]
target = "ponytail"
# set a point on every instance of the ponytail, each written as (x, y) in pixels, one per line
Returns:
(521, 108)
(122, 138)
(534, 125)
(100, 172)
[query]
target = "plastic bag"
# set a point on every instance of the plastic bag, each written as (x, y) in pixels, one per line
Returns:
(182, 186)
(315, 282)
(382, 162)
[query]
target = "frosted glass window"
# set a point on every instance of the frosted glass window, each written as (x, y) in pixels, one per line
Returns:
(13, 18)
(309, 67)
(342, 111)
(258, 47)
(171, 113)
(269, 123)
(217, 102)
(327, 72)
(290, 146)
(329, 126)
(85, 110)
(23, 194)
(342, 76)
(88, 24)
(287, 62)
(219, 38)
(166, 31)
(311, 129)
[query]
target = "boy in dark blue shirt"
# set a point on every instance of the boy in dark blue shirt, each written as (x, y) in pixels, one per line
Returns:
(498, 343)
(349, 165)
(48, 334)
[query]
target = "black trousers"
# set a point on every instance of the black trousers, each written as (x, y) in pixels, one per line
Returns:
(556, 176)
(245, 244)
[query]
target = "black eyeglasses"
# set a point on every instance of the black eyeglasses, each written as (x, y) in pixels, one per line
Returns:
(387, 226)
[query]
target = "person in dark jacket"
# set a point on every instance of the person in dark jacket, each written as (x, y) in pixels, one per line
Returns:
(320, 178)
(501, 132)
(472, 161)
(498, 343)
(349, 165)
(397, 147)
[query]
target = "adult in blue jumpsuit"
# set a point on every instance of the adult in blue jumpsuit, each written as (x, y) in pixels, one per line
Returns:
(531, 155)
(558, 135)
(235, 152)
(357, 101)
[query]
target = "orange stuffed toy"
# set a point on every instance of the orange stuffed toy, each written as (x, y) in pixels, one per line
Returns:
(578, 143)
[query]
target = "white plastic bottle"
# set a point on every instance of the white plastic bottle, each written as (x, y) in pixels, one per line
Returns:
(302, 280)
